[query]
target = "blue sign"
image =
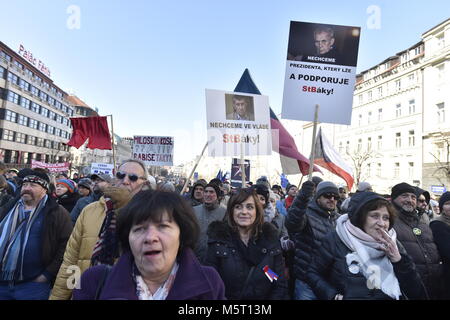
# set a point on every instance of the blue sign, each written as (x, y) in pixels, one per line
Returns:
(438, 189)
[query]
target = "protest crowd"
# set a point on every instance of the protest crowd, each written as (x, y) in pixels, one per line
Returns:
(134, 236)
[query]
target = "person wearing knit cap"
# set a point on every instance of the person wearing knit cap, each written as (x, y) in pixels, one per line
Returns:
(66, 193)
(441, 234)
(423, 199)
(291, 191)
(414, 232)
(31, 251)
(364, 186)
(209, 211)
(363, 241)
(196, 196)
(309, 219)
(85, 186)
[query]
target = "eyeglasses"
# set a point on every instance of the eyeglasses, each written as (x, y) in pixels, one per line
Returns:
(421, 200)
(331, 195)
(131, 176)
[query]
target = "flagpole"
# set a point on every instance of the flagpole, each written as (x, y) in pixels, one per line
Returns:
(313, 147)
(193, 169)
(242, 165)
(113, 150)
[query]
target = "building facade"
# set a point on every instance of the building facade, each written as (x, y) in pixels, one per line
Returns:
(34, 113)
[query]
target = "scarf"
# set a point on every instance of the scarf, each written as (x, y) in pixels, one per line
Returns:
(144, 293)
(288, 201)
(368, 257)
(106, 249)
(443, 218)
(14, 233)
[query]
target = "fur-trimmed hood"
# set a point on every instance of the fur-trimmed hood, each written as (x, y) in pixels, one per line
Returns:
(221, 231)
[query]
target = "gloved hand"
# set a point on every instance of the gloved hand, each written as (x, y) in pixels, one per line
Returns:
(307, 189)
(287, 244)
(119, 196)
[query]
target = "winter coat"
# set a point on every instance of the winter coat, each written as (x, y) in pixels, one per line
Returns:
(422, 250)
(80, 246)
(234, 264)
(441, 235)
(68, 200)
(55, 233)
(329, 275)
(307, 225)
(81, 204)
(192, 282)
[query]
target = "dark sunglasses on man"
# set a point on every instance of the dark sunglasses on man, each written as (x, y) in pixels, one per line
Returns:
(331, 195)
(131, 176)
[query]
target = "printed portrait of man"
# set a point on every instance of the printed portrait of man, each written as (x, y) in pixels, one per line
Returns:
(239, 107)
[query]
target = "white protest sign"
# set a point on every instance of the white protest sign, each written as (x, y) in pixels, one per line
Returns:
(320, 70)
(97, 168)
(237, 123)
(153, 151)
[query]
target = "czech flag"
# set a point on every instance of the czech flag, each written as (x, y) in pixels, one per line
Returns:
(270, 274)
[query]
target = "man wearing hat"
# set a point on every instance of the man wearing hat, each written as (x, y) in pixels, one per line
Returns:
(414, 233)
(34, 231)
(308, 221)
(196, 196)
(95, 191)
(209, 211)
(291, 191)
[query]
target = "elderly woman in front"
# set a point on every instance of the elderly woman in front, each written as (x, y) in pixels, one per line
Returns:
(157, 231)
(246, 251)
(362, 259)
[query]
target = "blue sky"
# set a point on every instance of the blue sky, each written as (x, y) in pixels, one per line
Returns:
(149, 62)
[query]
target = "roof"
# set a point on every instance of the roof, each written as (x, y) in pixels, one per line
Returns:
(75, 101)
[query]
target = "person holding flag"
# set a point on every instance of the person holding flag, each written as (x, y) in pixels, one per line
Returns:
(246, 251)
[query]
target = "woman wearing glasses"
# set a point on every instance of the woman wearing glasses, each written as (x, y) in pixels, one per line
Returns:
(93, 238)
(361, 259)
(246, 251)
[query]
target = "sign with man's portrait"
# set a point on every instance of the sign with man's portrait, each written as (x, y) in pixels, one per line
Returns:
(237, 123)
(320, 69)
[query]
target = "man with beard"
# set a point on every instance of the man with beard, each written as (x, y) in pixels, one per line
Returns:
(416, 236)
(33, 234)
(93, 240)
(423, 200)
(308, 221)
(209, 211)
(101, 182)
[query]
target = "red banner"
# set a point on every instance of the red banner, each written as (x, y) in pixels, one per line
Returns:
(52, 167)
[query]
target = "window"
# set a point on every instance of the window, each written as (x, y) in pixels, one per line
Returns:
(23, 120)
(8, 135)
(10, 116)
(44, 112)
(369, 117)
(51, 101)
(398, 85)
(33, 124)
(51, 129)
(57, 132)
(20, 137)
(18, 64)
(398, 140)
(40, 142)
(51, 115)
(369, 170)
(59, 119)
(5, 56)
(412, 106)
(31, 140)
(13, 97)
(34, 91)
(380, 114)
(66, 121)
(369, 96)
(440, 112)
(369, 144)
(24, 102)
(359, 147)
(396, 169)
(2, 72)
(35, 107)
(43, 96)
(42, 127)
(24, 85)
(360, 98)
(441, 73)
(70, 112)
(359, 120)
(48, 144)
(398, 110)
(12, 78)
(347, 147)
(29, 73)
(64, 108)
(380, 142)
(418, 50)
(411, 169)
(411, 78)
(379, 169)
(64, 134)
(37, 78)
(440, 41)
(341, 148)
(411, 139)
(380, 92)
(58, 105)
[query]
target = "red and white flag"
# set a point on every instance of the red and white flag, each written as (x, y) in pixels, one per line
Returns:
(327, 157)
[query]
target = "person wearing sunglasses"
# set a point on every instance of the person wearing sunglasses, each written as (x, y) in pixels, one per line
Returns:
(423, 200)
(309, 219)
(93, 240)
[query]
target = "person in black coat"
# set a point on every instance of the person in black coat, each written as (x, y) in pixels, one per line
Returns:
(246, 251)
(66, 194)
(361, 259)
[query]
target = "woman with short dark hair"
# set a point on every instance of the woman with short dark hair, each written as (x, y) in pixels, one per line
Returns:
(157, 231)
(362, 259)
(246, 251)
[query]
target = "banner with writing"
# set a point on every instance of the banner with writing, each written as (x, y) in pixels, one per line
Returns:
(52, 167)
(154, 151)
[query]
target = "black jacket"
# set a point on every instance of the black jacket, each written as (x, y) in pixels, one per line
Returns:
(234, 261)
(441, 234)
(422, 250)
(68, 200)
(329, 274)
(56, 232)
(307, 225)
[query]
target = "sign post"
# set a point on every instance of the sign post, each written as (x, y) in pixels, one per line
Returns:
(313, 147)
